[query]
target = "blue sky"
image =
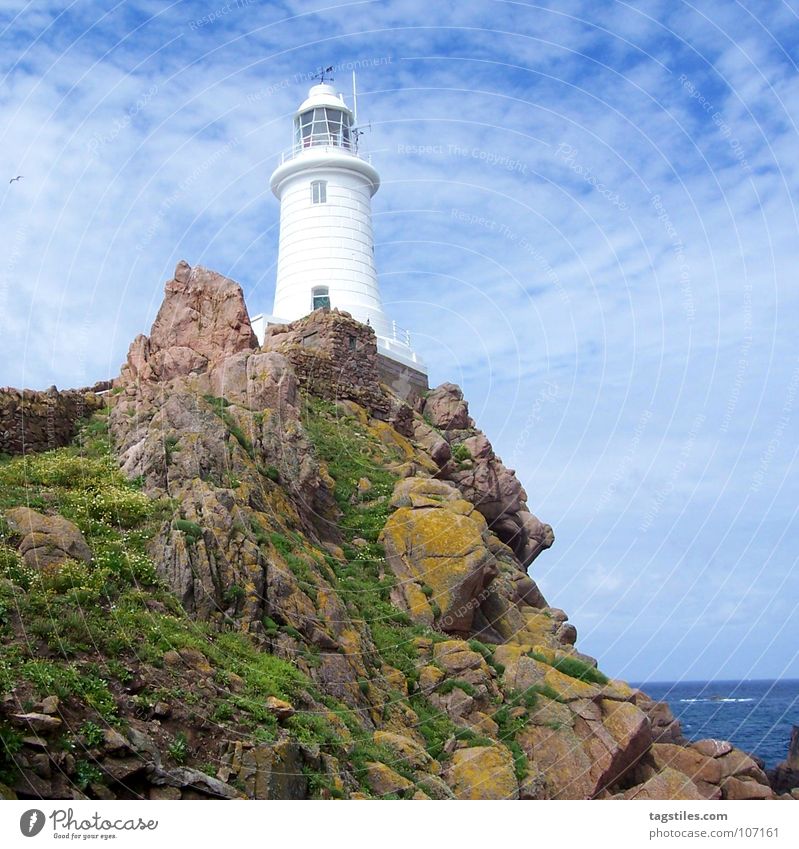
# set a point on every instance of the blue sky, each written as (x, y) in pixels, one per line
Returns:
(587, 219)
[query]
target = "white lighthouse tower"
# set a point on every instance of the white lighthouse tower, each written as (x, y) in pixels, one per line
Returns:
(326, 252)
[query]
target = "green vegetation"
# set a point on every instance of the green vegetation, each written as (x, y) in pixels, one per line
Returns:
(461, 453)
(178, 749)
(488, 655)
(435, 726)
(91, 733)
(450, 684)
(352, 452)
(466, 735)
(10, 744)
(170, 447)
(573, 667)
(191, 529)
(270, 472)
(97, 619)
(221, 407)
(509, 727)
(86, 774)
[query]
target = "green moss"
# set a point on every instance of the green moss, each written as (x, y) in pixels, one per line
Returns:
(170, 447)
(450, 684)
(573, 667)
(320, 785)
(466, 735)
(281, 543)
(191, 529)
(271, 628)
(509, 727)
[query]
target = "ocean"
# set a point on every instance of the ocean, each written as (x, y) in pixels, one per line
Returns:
(756, 716)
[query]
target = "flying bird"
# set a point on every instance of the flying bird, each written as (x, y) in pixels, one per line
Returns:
(14, 179)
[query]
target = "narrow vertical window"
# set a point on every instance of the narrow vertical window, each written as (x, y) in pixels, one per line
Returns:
(321, 298)
(319, 191)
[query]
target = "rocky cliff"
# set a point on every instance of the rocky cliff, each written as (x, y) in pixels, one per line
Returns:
(258, 572)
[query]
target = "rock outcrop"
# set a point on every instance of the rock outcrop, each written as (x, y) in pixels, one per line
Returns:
(469, 461)
(286, 580)
(203, 319)
(785, 777)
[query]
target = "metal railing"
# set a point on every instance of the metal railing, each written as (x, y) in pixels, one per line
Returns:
(326, 145)
(390, 330)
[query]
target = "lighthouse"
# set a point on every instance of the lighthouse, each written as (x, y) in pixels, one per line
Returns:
(326, 255)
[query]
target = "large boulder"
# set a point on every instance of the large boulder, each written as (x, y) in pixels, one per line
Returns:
(384, 781)
(558, 753)
(439, 552)
(704, 771)
(665, 785)
(445, 408)
(257, 381)
(483, 772)
(266, 771)
(47, 540)
(665, 727)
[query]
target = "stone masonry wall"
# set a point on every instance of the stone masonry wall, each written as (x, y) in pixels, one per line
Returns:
(334, 356)
(33, 421)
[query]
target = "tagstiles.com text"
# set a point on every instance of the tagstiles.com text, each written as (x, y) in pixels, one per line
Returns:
(680, 828)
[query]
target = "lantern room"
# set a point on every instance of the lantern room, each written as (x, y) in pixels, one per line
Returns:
(324, 120)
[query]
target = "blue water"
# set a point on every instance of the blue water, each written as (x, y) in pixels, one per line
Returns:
(754, 715)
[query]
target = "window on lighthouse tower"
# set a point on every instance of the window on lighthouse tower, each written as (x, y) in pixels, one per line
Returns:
(321, 297)
(319, 191)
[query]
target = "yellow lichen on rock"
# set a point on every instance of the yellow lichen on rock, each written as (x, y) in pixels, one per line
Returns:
(384, 781)
(483, 772)
(407, 750)
(443, 551)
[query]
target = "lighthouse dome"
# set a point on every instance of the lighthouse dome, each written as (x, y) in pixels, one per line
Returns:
(325, 120)
(323, 95)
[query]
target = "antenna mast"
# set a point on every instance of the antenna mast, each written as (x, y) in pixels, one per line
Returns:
(354, 101)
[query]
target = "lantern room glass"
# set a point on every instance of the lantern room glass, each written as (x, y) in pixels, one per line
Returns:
(325, 126)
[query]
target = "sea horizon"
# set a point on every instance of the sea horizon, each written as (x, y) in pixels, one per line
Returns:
(754, 714)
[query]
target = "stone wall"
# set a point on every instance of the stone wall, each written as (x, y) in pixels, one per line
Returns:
(33, 421)
(407, 383)
(334, 356)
